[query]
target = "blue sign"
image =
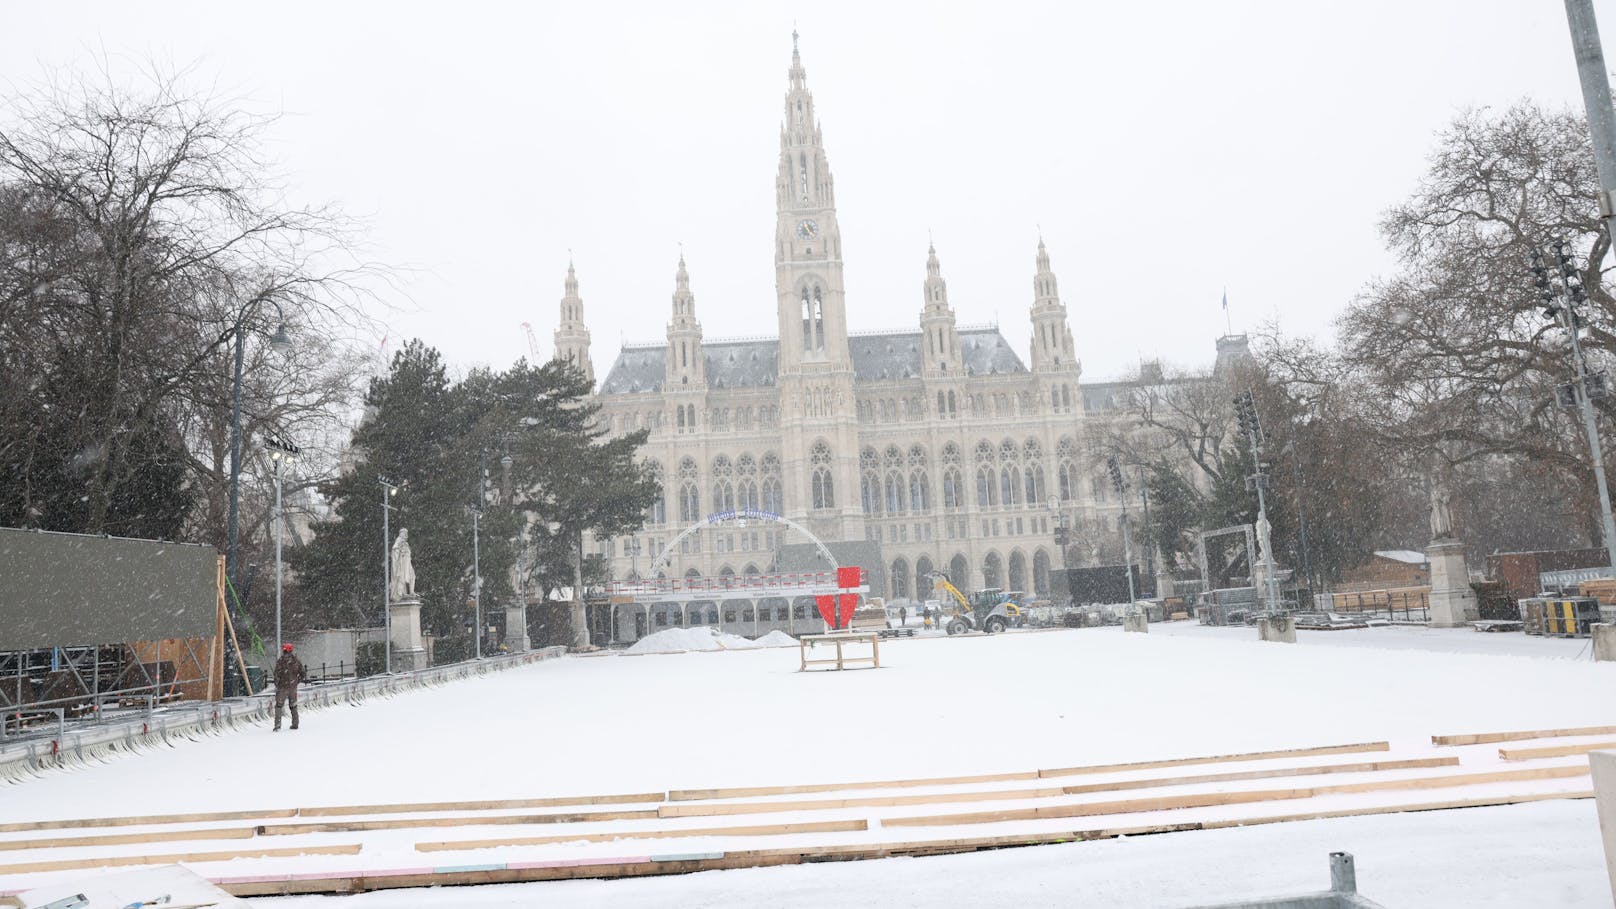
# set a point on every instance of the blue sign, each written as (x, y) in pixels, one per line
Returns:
(743, 514)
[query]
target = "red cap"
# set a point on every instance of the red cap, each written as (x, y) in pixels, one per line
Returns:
(287, 647)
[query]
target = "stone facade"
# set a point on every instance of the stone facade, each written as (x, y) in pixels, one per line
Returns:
(939, 443)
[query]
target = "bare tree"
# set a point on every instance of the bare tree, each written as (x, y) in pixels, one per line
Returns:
(139, 237)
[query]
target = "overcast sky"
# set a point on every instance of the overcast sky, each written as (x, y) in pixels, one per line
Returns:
(1167, 150)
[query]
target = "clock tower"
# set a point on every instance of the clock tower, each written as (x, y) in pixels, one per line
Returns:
(808, 242)
(819, 419)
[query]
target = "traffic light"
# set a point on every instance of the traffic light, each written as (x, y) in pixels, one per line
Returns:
(1116, 473)
(1245, 410)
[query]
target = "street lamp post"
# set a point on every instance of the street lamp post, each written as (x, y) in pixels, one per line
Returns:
(1251, 426)
(477, 577)
(1127, 539)
(280, 452)
(281, 343)
(389, 489)
(1561, 302)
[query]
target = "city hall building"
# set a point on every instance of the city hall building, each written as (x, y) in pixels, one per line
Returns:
(938, 448)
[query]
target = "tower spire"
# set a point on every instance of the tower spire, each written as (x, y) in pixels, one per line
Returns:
(572, 335)
(686, 366)
(1051, 335)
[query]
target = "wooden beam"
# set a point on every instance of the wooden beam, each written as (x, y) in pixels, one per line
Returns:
(1463, 779)
(121, 839)
(490, 805)
(1090, 809)
(1485, 738)
(1527, 754)
(756, 830)
(1172, 803)
(187, 857)
(1271, 773)
(1221, 759)
(992, 795)
(359, 881)
(487, 820)
(145, 820)
(684, 795)
(1006, 795)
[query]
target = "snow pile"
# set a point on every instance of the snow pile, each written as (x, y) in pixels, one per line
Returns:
(674, 640)
(775, 638)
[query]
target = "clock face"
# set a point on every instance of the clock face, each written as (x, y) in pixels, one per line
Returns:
(807, 230)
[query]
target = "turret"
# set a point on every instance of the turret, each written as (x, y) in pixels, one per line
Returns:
(1051, 335)
(572, 336)
(685, 363)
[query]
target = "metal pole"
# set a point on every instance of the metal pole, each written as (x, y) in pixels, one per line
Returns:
(278, 522)
(1591, 428)
(477, 579)
(1270, 582)
(1127, 548)
(387, 584)
(1592, 74)
(235, 463)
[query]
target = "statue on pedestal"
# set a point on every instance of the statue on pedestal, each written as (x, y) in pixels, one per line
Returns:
(403, 571)
(1441, 509)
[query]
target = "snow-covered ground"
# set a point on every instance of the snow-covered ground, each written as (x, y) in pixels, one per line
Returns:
(614, 723)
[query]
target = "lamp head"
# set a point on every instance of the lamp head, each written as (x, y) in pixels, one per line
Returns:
(280, 341)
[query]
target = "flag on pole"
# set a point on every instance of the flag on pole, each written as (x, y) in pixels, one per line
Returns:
(1226, 299)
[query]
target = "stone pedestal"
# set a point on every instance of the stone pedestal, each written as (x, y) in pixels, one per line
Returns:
(516, 629)
(1139, 623)
(1453, 603)
(1604, 642)
(1603, 764)
(409, 652)
(1280, 629)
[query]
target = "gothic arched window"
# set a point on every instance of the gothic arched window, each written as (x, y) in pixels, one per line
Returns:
(723, 487)
(772, 499)
(869, 481)
(823, 486)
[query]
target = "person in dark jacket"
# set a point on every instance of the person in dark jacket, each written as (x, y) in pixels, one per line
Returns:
(289, 672)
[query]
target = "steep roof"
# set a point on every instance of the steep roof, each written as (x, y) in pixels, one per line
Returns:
(756, 363)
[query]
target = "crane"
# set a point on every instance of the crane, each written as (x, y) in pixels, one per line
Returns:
(532, 342)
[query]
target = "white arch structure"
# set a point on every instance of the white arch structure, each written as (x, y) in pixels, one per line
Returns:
(743, 515)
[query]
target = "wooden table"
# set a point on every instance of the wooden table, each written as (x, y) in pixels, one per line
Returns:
(841, 638)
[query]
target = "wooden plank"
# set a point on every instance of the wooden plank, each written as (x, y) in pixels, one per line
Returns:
(684, 795)
(632, 798)
(122, 839)
(1090, 809)
(754, 830)
(187, 857)
(144, 820)
(1006, 795)
(1314, 770)
(1400, 809)
(992, 795)
(355, 882)
(1485, 738)
(1463, 779)
(1527, 754)
(1170, 803)
(489, 820)
(1220, 759)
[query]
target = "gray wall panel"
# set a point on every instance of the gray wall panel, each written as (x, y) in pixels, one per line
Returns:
(66, 589)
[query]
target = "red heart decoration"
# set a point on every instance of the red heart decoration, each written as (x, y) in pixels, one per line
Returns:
(849, 603)
(827, 608)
